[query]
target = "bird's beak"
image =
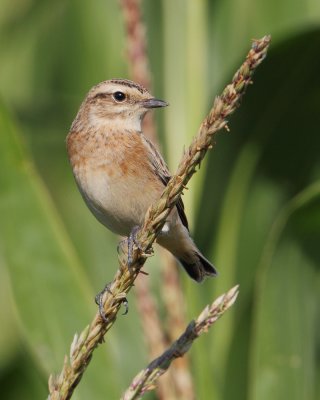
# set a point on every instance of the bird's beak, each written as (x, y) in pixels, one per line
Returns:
(153, 103)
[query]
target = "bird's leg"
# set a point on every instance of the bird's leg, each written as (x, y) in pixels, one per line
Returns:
(130, 242)
(99, 299)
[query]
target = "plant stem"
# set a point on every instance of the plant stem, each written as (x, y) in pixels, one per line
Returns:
(146, 379)
(61, 386)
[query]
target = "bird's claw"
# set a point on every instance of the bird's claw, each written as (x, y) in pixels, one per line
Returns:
(132, 241)
(99, 302)
(126, 306)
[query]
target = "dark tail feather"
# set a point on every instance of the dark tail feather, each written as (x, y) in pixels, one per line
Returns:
(198, 268)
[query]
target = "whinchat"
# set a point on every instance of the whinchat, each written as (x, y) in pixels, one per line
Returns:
(120, 173)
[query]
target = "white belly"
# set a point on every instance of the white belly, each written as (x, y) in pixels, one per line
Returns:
(116, 202)
(99, 195)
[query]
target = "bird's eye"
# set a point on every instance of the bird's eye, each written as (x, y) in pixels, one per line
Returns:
(119, 96)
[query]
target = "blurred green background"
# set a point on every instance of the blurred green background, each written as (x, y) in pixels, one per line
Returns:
(254, 207)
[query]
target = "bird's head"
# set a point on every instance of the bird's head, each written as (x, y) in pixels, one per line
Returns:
(119, 102)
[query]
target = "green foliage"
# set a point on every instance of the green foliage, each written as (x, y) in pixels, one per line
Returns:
(255, 206)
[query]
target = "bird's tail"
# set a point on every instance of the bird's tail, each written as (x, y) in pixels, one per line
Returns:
(178, 241)
(198, 267)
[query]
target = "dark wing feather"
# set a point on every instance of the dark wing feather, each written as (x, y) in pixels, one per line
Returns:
(180, 205)
(162, 171)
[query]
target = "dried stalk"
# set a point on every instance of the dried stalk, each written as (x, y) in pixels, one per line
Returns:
(61, 386)
(146, 379)
(175, 319)
(153, 333)
(138, 60)
(177, 384)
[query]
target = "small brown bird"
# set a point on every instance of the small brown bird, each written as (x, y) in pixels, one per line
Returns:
(120, 173)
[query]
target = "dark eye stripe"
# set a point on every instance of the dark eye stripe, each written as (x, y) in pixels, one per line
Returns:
(101, 95)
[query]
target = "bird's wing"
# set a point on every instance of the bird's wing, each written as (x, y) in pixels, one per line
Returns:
(163, 173)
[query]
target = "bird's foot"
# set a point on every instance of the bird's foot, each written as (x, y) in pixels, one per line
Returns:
(129, 242)
(126, 246)
(133, 241)
(99, 302)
